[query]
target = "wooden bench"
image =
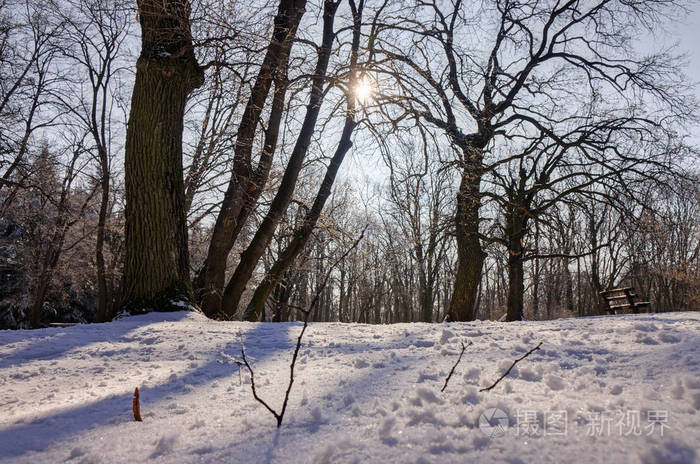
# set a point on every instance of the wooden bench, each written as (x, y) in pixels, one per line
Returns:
(622, 298)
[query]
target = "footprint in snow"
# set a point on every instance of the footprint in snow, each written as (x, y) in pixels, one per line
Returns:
(555, 383)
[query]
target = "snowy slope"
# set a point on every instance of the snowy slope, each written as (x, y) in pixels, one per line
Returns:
(607, 389)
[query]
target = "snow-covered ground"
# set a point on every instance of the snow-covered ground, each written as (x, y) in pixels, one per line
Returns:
(607, 389)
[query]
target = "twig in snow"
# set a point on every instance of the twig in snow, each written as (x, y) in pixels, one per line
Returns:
(279, 416)
(455, 366)
(512, 366)
(234, 361)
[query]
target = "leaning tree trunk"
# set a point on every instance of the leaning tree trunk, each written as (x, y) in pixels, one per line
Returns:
(470, 256)
(156, 270)
(242, 191)
(301, 235)
(249, 258)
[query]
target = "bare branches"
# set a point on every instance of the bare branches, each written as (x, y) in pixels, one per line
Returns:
(280, 416)
(455, 366)
(511, 367)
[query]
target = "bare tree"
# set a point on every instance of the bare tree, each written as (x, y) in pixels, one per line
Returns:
(156, 271)
(57, 191)
(28, 54)
(539, 56)
(92, 42)
(246, 181)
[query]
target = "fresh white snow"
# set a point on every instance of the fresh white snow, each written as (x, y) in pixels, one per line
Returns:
(605, 389)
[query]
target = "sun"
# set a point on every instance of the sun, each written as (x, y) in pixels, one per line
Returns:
(364, 89)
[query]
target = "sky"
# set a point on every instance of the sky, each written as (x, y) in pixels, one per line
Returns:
(689, 40)
(686, 34)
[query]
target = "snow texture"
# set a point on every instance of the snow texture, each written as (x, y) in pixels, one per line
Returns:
(362, 393)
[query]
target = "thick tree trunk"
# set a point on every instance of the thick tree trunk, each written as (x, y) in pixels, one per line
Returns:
(241, 192)
(156, 270)
(470, 256)
(250, 257)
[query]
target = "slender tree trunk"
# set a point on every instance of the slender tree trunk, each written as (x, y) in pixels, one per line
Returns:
(301, 236)
(579, 290)
(515, 229)
(100, 240)
(250, 257)
(156, 270)
(341, 295)
(569, 289)
(536, 276)
(425, 295)
(242, 190)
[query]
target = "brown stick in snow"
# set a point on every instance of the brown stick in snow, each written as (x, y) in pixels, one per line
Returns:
(455, 366)
(136, 406)
(512, 366)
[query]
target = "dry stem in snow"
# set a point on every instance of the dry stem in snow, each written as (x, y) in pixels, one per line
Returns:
(512, 366)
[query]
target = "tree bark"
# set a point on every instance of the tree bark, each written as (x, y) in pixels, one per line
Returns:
(156, 270)
(470, 256)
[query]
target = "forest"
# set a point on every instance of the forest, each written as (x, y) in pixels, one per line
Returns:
(349, 231)
(389, 160)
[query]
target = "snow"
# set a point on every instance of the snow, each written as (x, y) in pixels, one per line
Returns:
(627, 388)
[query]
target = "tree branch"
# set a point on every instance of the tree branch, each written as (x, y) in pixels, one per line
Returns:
(455, 366)
(511, 367)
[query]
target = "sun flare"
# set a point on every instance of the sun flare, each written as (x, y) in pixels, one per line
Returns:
(364, 90)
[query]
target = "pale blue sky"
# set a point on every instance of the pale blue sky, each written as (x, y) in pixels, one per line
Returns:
(690, 40)
(689, 37)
